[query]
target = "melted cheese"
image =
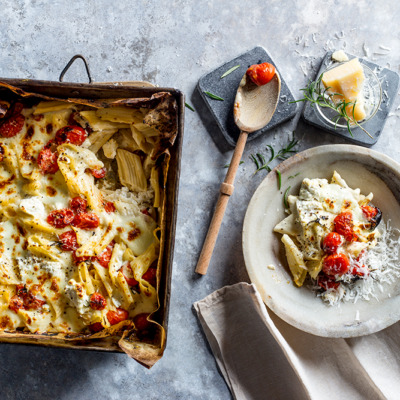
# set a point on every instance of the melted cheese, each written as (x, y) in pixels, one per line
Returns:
(30, 253)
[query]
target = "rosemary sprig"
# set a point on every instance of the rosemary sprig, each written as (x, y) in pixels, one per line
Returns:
(294, 176)
(282, 154)
(315, 94)
(213, 96)
(285, 197)
(228, 165)
(279, 179)
(189, 107)
(230, 70)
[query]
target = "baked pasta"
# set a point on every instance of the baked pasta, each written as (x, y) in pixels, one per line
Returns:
(81, 208)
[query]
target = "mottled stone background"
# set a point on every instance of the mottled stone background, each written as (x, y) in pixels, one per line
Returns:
(173, 43)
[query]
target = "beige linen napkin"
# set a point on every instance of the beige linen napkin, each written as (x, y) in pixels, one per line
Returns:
(262, 357)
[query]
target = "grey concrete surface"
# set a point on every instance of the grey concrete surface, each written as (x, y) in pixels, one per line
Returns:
(173, 43)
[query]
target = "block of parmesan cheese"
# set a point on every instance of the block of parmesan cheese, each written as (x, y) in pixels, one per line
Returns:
(348, 80)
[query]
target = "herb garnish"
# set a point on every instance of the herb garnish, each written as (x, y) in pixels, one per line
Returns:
(214, 96)
(315, 94)
(189, 107)
(279, 179)
(285, 196)
(282, 154)
(230, 70)
(228, 165)
(294, 176)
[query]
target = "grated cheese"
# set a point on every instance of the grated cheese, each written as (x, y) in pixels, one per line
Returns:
(383, 262)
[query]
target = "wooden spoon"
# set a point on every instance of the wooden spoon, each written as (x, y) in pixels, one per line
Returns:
(253, 109)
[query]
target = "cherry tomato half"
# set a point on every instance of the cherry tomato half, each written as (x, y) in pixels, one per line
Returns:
(78, 204)
(78, 260)
(15, 303)
(17, 108)
(109, 206)
(96, 327)
(60, 218)
(86, 221)
(326, 282)
(373, 215)
(360, 271)
(128, 274)
(335, 264)
(97, 301)
(71, 134)
(105, 257)
(151, 276)
(98, 173)
(344, 226)
(12, 126)
(68, 241)
(141, 322)
(119, 315)
(47, 161)
(331, 242)
(25, 299)
(261, 74)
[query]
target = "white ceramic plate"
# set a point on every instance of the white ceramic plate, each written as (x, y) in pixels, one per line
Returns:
(361, 168)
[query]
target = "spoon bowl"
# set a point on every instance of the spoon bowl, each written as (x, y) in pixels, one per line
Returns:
(255, 105)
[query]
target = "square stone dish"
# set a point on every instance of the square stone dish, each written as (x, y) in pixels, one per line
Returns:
(390, 84)
(226, 88)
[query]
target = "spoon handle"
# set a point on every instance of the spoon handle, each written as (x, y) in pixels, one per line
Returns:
(225, 192)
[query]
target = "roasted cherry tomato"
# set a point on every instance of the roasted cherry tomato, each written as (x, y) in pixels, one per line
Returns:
(98, 173)
(128, 274)
(86, 221)
(151, 276)
(261, 74)
(70, 134)
(97, 301)
(47, 161)
(109, 206)
(373, 215)
(326, 282)
(68, 241)
(360, 271)
(78, 260)
(331, 242)
(78, 204)
(119, 315)
(32, 303)
(15, 303)
(12, 126)
(26, 298)
(17, 108)
(60, 218)
(335, 264)
(344, 226)
(141, 322)
(105, 257)
(96, 327)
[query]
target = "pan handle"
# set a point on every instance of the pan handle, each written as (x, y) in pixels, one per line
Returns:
(71, 61)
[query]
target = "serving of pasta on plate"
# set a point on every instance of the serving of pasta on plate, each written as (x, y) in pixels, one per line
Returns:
(336, 236)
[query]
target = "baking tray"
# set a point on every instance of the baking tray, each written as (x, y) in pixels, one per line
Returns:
(117, 90)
